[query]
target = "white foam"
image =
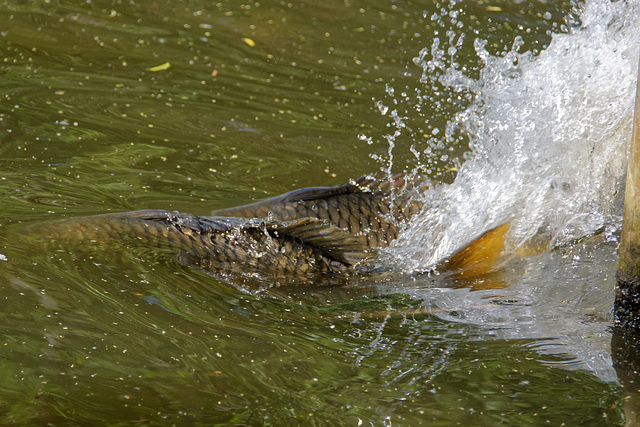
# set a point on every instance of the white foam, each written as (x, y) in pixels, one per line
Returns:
(549, 137)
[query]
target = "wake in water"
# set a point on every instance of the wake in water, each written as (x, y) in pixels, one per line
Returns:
(548, 136)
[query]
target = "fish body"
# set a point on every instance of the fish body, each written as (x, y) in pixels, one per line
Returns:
(303, 234)
(374, 208)
(305, 247)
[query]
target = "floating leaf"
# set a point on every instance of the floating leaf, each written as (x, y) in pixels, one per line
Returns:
(248, 41)
(162, 67)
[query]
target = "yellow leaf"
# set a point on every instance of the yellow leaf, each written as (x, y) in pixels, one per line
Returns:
(494, 9)
(162, 67)
(248, 41)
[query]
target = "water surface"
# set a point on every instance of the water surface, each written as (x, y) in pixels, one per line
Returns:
(264, 97)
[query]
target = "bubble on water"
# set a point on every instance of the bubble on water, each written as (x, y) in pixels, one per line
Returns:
(383, 108)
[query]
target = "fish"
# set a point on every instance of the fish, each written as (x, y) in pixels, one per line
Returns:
(308, 233)
(297, 248)
(374, 208)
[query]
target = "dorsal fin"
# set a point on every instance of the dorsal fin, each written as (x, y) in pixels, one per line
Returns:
(479, 256)
(334, 241)
(376, 184)
(263, 207)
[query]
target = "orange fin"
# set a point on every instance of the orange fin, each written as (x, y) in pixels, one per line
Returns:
(479, 256)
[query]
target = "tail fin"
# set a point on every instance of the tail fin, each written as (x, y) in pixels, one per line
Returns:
(479, 256)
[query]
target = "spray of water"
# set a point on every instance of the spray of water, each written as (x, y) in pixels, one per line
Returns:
(548, 138)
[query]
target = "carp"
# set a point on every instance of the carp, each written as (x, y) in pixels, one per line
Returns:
(306, 233)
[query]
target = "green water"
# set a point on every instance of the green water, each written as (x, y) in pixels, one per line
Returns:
(122, 337)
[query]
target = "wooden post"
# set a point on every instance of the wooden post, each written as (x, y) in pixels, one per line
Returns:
(627, 304)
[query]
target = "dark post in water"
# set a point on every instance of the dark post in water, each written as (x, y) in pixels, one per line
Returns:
(625, 342)
(627, 304)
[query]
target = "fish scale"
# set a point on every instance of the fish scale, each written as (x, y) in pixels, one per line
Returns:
(235, 245)
(373, 208)
(305, 233)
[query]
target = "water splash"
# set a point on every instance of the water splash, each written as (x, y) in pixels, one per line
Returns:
(548, 138)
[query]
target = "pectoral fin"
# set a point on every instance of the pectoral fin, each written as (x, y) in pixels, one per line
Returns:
(479, 256)
(338, 244)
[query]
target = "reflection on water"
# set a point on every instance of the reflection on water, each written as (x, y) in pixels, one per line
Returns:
(106, 336)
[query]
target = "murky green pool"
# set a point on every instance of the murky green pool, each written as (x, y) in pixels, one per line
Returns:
(194, 106)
